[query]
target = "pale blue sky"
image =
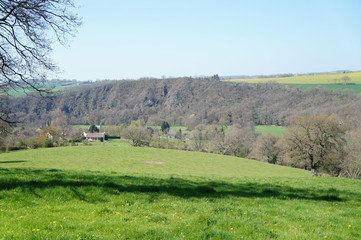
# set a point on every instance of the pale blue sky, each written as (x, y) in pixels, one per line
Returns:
(123, 39)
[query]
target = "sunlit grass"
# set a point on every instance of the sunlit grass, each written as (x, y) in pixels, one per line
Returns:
(174, 128)
(114, 191)
(53, 89)
(55, 204)
(275, 130)
(120, 157)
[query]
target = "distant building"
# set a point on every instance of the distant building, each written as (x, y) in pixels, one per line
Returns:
(172, 134)
(188, 137)
(94, 136)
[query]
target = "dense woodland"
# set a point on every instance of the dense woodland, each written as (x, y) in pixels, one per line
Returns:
(182, 101)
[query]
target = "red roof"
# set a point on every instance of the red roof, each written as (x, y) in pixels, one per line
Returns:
(94, 135)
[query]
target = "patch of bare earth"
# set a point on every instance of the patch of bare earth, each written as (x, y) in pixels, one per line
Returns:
(152, 162)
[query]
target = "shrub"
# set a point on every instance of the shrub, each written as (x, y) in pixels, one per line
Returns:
(47, 143)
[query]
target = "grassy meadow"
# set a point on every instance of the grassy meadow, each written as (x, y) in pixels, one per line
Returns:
(19, 92)
(117, 156)
(114, 191)
(275, 130)
(355, 88)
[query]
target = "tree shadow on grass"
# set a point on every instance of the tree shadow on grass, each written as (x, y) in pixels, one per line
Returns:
(82, 184)
(17, 161)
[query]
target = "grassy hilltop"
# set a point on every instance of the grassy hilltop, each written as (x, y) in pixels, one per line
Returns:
(326, 80)
(114, 191)
(115, 156)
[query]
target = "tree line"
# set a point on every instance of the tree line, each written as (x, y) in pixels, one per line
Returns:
(322, 144)
(318, 143)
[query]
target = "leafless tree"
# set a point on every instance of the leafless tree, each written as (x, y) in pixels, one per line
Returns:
(266, 149)
(28, 28)
(138, 136)
(316, 143)
(352, 166)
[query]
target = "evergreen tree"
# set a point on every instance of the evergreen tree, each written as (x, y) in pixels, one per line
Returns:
(164, 127)
(93, 129)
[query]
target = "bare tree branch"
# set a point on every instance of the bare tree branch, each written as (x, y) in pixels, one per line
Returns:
(27, 30)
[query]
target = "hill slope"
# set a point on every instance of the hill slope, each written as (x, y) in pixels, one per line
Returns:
(191, 196)
(112, 157)
(183, 102)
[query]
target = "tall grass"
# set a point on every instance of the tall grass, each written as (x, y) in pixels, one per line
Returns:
(275, 130)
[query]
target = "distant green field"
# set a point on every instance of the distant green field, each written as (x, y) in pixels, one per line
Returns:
(174, 128)
(114, 191)
(327, 78)
(20, 92)
(84, 127)
(275, 130)
(356, 88)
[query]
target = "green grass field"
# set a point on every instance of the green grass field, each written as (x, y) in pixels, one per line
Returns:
(20, 92)
(356, 88)
(275, 130)
(84, 127)
(114, 191)
(115, 156)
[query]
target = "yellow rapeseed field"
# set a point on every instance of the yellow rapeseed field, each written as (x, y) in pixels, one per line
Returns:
(326, 78)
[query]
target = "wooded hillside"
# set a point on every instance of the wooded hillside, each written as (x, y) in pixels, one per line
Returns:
(183, 101)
